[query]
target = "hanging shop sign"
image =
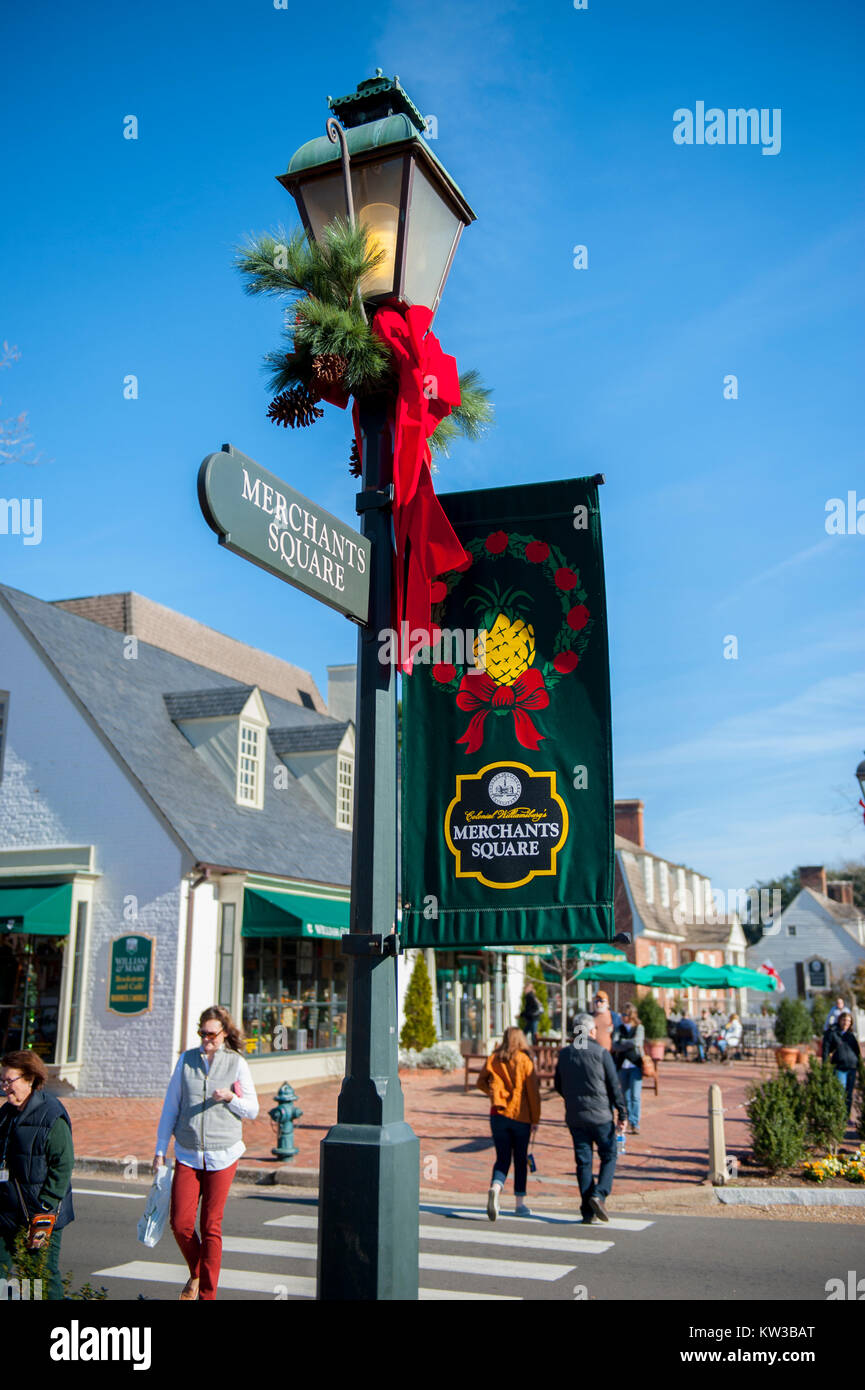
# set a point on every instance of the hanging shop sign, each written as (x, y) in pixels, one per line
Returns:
(507, 803)
(130, 975)
(260, 517)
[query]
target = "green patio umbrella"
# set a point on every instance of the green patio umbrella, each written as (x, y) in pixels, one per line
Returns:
(616, 972)
(740, 977)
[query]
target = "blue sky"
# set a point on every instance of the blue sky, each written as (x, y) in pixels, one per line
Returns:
(557, 123)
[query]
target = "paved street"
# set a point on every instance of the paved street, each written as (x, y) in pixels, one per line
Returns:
(454, 1133)
(270, 1251)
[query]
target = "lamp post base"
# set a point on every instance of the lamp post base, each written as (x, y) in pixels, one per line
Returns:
(369, 1193)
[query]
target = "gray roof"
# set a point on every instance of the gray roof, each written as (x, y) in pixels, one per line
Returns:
(207, 704)
(125, 701)
(321, 739)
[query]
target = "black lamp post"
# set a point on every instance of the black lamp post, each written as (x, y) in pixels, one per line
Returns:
(385, 176)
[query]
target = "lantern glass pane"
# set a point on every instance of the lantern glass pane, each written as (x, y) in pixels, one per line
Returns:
(432, 230)
(376, 189)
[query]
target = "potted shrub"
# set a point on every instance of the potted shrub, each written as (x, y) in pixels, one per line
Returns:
(792, 1027)
(654, 1021)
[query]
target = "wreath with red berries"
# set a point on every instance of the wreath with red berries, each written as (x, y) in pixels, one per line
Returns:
(573, 636)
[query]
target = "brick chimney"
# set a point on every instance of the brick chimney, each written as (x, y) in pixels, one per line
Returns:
(813, 876)
(629, 821)
(841, 890)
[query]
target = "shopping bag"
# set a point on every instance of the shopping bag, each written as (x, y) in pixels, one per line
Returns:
(152, 1223)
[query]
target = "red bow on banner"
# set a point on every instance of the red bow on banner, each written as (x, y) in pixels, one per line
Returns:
(479, 692)
(428, 390)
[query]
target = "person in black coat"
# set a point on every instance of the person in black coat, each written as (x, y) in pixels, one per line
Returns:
(36, 1160)
(532, 1012)
(587, 1080)
(841, 1048)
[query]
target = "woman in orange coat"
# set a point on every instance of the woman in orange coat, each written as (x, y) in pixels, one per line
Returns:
(511, 1082)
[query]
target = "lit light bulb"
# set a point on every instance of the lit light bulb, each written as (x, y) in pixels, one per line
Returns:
(382, 223)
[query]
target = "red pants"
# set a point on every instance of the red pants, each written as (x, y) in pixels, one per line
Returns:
(203, 1256)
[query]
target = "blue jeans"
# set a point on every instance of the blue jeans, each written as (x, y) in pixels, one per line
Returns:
(511, 1137)
(631, 1080)
(848, 1081)
(604, 1137)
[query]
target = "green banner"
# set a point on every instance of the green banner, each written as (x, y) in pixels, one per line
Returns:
(507, 799)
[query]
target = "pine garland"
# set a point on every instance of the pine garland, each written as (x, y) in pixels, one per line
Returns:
(328, 340)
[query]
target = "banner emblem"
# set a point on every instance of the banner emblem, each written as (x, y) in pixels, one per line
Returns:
(505, 825)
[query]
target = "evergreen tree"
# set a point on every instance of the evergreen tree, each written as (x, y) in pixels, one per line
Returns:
(652, 1017)
(825, 1106)
(418, 1030)
(776, 1121)
(534, 972)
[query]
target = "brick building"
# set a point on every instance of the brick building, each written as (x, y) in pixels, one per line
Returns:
(669, 912)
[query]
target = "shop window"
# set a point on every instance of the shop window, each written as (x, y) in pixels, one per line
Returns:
(226, 953)
(344, 791)
(250, 788)
(31, 968)
(294, 995)
(75, 992)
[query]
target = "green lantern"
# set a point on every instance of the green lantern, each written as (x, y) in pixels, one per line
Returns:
(393, 184)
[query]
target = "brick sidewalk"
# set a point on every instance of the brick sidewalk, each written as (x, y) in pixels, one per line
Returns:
(671, 1152)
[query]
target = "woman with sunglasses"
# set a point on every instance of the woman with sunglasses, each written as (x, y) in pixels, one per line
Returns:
(209, 1096)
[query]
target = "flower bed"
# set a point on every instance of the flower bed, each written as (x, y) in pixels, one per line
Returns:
(851, 1167)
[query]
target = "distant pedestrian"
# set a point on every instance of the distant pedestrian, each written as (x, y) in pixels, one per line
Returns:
(834, 1014)
(606, 1019)
(628, 1057)
(688, 1035)
(36, 1161)
(533, 1011)
(587, 1080)
(209, 1096)
(511, 1082)
(730, 1039)
(841, 1048)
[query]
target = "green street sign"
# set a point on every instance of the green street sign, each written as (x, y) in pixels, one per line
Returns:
(260, 517)
(130, 975)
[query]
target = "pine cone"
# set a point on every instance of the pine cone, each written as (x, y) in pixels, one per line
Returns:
(294, 407)
(355, 467)
(328, 369)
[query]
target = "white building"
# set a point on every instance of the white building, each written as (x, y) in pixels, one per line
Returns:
(175, 817)
(819, 936)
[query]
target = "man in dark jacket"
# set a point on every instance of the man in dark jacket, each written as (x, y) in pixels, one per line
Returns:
(532, 1011)
(587, 1080)
(841, 1047)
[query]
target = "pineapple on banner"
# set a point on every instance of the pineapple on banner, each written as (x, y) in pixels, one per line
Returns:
(507, 804)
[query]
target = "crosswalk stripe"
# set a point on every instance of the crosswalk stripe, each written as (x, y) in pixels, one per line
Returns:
(242, 1280)
(494, 1269)
(516, 1239)
(248, 1281)
(615, 1223)
(451, 1295)
(459, 1264)
(107, 1192)
(285, 1249)
(557, 1244)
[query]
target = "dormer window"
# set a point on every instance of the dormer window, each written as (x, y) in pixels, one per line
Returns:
(250, 784)
(344, 790)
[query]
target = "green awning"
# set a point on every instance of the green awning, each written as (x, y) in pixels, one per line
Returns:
(272, 913)
(45, 911)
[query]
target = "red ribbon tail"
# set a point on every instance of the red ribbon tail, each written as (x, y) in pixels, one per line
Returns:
(525, 729)
(473, 737)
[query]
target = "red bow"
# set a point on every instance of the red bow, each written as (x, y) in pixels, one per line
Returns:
(479, 692)
(426, 545)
